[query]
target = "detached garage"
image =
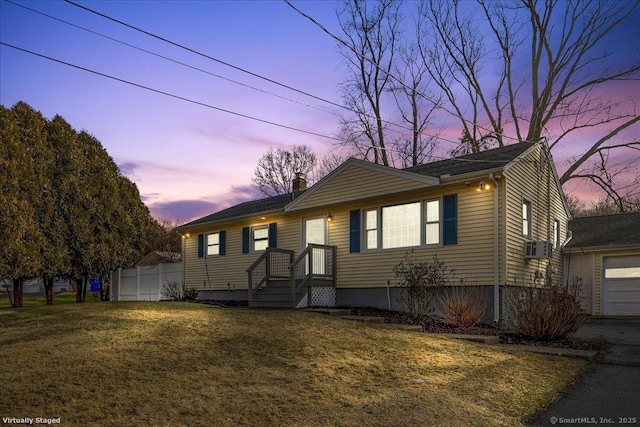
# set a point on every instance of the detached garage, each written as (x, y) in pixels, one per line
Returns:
(604, 251)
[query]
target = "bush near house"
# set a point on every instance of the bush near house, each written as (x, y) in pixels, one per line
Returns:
(461, 306)
(176, 291)
(547, 313)
(420, 280)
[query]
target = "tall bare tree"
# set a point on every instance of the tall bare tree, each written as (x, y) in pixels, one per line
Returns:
(371, 30)
(526, 70)
(417, 104)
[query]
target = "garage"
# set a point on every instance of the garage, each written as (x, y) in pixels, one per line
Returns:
(621, 285)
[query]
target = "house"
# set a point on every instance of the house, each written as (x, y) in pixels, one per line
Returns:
(159, 257)
(604, 253)
(499, 218)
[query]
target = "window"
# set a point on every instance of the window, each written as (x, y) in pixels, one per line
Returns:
(371, 229)
(213, 244)
(432, 223)
(260, 238)
(407, 225)
(556, 234)
(526, 218)
(401, 226)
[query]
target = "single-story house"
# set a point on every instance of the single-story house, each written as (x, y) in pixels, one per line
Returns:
(604, 253)
(159, 257)
(499, 218)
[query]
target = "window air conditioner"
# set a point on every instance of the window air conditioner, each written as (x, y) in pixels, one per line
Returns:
(538, 249)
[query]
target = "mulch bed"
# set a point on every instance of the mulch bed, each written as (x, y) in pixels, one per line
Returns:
(434, 326)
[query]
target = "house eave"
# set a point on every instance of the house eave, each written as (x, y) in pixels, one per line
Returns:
(425, 179)
(461, 178)
(209, 224)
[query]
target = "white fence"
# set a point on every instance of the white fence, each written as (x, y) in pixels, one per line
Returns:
(144, 283)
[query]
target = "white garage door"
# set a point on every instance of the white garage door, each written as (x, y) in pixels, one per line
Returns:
(621, 286)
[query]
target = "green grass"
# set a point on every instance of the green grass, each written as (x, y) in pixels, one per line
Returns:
(61, 298)
(173, 364)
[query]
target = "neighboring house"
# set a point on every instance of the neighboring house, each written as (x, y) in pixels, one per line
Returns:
(159, 257)
(480, 213)
(604, 252)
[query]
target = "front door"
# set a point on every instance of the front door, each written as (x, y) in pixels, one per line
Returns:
(315, 231)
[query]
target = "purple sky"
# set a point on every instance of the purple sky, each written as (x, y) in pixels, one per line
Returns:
(187, 160)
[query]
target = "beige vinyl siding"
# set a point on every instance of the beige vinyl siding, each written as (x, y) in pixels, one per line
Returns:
(229, 271)
(472, 257)
(528, 179)
(356, 183)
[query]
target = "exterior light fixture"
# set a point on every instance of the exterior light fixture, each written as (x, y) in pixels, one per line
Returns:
(329, 216)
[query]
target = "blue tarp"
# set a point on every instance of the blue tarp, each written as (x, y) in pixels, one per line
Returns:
(95, 285)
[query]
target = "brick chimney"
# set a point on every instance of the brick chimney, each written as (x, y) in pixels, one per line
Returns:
(299, 182)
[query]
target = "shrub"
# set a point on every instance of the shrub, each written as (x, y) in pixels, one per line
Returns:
(461, 306)
(420, 281)
(547, 313)
(175, 291)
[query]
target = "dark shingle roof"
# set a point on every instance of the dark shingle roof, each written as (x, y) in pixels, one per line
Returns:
(247, 208)
(484, 160)
(607, 230)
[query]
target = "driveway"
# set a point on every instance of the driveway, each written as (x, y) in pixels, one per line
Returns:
(608, 393)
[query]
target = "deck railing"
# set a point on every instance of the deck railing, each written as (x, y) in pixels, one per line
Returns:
(272, 264)
(315, 263)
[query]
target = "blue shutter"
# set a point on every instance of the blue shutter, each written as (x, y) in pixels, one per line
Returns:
(450, 220)
(273, 235)
(245, 240)
(223, 243)
(200, 245)
(354, 231)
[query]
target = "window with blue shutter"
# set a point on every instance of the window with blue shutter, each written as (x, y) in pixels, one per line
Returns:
(273, 235)
(354, 231)
(245, 240)
(200, 245)
(450, 220)
(223, 243)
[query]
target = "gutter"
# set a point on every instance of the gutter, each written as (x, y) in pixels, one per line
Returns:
(496, 251)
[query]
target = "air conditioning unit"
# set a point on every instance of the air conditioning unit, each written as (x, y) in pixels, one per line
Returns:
(538, 249)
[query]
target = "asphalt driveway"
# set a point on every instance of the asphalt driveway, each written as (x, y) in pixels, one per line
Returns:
(609, 392)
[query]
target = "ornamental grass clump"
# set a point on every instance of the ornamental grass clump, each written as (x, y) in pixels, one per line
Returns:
(547, 313)
(461, 306)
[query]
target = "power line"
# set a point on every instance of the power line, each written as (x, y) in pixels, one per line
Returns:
(166, 58)
(235, 67)
(168, 94)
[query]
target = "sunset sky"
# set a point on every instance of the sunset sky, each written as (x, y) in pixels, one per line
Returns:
(188, 160)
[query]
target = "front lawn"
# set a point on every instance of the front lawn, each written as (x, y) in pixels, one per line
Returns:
(172, 364)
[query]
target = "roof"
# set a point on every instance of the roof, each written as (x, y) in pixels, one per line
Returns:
(496, 158)
(605, 231)
(247, 208)
(159, 257)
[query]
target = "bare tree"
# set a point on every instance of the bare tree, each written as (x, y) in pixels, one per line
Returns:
(565, 89)
(371, 30)
(277, 168)
(416, 105)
